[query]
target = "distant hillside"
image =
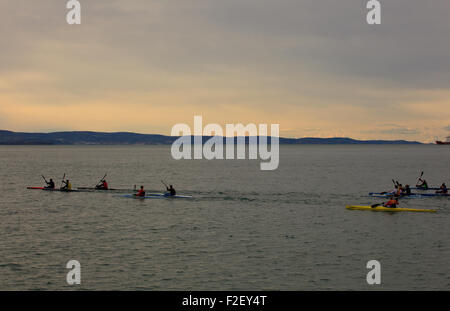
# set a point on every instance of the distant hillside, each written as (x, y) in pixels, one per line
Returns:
(344, 141)
(125, 138)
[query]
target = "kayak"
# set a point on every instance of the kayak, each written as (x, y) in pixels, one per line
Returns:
(425, 189)
(157, 196)
(388, 194)
(412, 195)
(49, 189)
(384, 196)
(92, 189)
(388, 209)
(435, 194)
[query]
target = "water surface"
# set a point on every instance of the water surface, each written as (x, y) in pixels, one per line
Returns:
(245, 229)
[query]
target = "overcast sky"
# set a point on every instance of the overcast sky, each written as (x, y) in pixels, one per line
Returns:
(315, 67)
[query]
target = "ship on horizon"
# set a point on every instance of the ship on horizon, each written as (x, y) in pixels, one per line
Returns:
(447, 142)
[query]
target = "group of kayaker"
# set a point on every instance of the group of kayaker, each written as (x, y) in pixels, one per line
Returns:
(170, 191)
(66, 185)
(423, 185)
(103, 185)
(401, 191)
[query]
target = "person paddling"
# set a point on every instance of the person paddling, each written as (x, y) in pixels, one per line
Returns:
(50, 184)
(141, 192)
(103, 185)
(67, 186)
(406, 190)
(399, 190)
(171, 190)
(423, 184)
(443, 189)
(392, 203)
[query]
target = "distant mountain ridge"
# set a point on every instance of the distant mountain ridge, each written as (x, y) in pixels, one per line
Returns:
(128, 138)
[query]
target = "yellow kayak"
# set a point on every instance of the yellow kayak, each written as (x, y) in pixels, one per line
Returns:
(388, 209)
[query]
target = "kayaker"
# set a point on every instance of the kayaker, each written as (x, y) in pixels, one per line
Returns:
(141, 192)
(406, 190)
(66, 185)
(171, 190)
(443, 189)
(399, 191)
(423, 184)
(50, 184)
(103, 185)
(392, 203)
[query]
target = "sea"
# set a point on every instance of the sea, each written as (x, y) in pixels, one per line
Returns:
(244, 229)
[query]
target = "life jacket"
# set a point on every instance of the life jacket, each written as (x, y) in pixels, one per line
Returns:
(391, 203)
(105, 185)
(141, 193)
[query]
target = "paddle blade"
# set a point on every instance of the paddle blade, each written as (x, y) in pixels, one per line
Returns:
(62, 181)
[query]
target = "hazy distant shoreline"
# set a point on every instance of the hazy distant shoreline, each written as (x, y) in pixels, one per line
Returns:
(126, 138)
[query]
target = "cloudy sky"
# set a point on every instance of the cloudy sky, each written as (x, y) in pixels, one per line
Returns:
(314, 67)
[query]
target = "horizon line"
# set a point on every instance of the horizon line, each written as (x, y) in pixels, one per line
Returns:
(279, 137)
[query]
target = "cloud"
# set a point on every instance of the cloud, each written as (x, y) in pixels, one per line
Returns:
(313, 66)
(401, 131)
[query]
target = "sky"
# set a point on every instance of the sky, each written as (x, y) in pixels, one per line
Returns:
(316, 68)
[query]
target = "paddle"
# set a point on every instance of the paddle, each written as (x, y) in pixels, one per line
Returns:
(44, 179)
(164, 184)
(375, 205)
(393, 181)
(396, 184)
(421, 175)
(63, 180)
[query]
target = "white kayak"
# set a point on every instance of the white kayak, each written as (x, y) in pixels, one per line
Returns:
(157, 196)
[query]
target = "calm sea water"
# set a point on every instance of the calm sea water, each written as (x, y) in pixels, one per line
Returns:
(245, 229)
